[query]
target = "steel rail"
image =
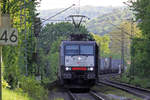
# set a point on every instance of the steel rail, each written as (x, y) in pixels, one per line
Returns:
(97, 96)
(72, 96)
(133, 90)
(128, 85)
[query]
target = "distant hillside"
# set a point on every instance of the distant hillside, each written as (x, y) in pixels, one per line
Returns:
(88, 11)
(99, 17)
(101, 25)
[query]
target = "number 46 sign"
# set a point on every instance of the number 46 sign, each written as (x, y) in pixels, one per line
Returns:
(8, 36)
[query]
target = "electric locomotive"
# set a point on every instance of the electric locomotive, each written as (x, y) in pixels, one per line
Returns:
(78, 63)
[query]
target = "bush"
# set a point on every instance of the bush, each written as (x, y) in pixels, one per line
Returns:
(5, 84)
(33, 88)
(8, 94)
(142, 82)
(137, 81)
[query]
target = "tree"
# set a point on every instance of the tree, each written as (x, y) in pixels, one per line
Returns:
(51, 32)
(123, 33)
(140, 45)
(142, 14)
(14, 57)
(103, 42)
(53, 57)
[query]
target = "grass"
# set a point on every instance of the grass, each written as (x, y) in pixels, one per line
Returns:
(137, 81)
(13, 95)
(58, 99)
(107, 90)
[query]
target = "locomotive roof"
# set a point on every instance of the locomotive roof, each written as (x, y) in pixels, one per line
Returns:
(78, 42)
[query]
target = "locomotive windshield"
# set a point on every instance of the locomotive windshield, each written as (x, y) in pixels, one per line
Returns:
(79, 49)
(72, 49)
(86, 49)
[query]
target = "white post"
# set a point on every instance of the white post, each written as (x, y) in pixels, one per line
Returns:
(4, 22)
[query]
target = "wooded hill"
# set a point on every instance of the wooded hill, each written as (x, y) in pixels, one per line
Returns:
(99, 17)
(102, 24)
(89, 11)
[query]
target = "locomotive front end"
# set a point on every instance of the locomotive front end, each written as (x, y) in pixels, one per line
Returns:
(79, 64)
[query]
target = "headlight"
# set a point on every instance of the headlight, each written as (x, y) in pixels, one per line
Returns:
(67, 68)
(91, 69)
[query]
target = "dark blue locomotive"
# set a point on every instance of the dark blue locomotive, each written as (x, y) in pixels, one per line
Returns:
(78, 64)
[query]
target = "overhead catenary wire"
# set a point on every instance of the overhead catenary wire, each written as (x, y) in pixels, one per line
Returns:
(57, 14)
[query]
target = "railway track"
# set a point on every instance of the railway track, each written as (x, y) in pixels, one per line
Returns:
(72, 96)
(143, 93)
(98, 96)
(108, 76)
(91, 95)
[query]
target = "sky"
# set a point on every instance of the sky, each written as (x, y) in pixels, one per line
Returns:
(52, 4)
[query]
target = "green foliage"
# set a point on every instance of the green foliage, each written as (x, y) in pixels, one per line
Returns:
(140, 54)
(56, 44)
(142, 11)
(51, 32)
(14, 56)
(103, 42)
(101, 25)
(11, 71)
(137, 81)
(14, 95)
(123, 34)
(5, 84)
(100, 17)
(140, 46)
(54, 57)
(33, 88)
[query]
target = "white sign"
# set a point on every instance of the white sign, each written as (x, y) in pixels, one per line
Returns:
(8, 36)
